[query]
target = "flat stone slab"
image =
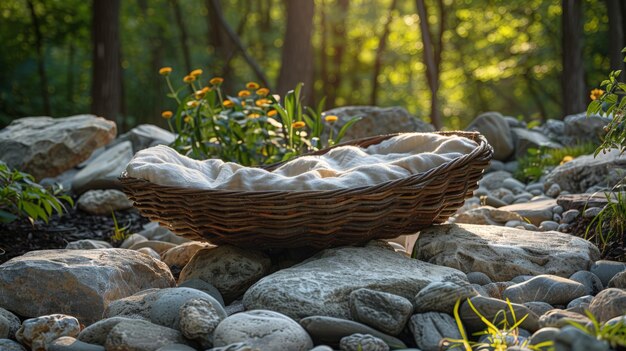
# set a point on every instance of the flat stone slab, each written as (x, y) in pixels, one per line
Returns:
(535, 211)
(503, 253)
(582, 201)
(322, 284)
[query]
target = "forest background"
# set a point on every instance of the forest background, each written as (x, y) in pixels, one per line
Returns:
(445, 61)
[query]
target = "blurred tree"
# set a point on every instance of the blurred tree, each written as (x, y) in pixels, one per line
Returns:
(616, 33)
(182, 28)
(382, 44)
(41, 65)
(573, 83)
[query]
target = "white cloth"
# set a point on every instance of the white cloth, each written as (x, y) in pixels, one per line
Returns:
(342, 167)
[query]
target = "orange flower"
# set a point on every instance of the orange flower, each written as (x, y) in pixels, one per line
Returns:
(566, 159)
(189, 79)
(254, 115)
(199, 94)
(243, 93)
(263, 92)
(216, 80)
(195, 73)
(331, 118)
(167, 114)
(262, 102)
(187, 119)
(228, 104)
(252, 85)
(271, 113)
(165, 71)
(596, 94)
(192, 104)
(298, 125)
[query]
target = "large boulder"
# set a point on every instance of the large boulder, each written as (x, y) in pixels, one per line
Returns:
(496, 129)
(529, 139)
(46, 146)
(579, 128)
(322, 284)
(503, 253)
(378, 121)
(144, 136)
(80, 283)
(584, 172)
(103, 172)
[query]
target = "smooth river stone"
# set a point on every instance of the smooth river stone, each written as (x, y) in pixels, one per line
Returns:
(551, 289)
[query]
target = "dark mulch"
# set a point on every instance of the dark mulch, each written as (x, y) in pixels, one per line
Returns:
(20, 237)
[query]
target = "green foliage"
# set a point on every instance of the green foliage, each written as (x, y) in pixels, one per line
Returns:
(609, 225)
(21, 196)
(613, 333)
(119, 233)
(500, 335)
(250, 128)
(538, 161)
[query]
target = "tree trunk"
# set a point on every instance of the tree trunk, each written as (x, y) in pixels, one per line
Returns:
(106, 93)
(41, 66)
(432, 72)
(573, 84)
(297, 57)
(323, 58)
(616, 34)
(339, 48)
(183, 34)
(382, 44)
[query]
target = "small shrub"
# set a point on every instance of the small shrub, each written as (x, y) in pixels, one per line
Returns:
(21, 196)
(538, 162)
(609, 226)
(251, 127)
(614, 334)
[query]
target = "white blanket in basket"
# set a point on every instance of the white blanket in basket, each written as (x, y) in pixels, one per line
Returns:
(342, 167)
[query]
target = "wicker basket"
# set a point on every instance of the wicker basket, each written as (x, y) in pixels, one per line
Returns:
(319, 219)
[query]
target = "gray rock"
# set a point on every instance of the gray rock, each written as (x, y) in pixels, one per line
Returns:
(495, 310)
(557, 218)
(441, 296)
(97, 333)
(582, 201)
(554, 190)
(68, 343)
(535, 186)
(140, 335)
(542, 335)
(547, 226)
(87, 244)
(266, 330)
(494, 180)
(176, 347)
(526, 139)
(91, 280)
(582, 303)
(554, 129)
(618, 281)
(569, 216)
(159, 306)
(606, 270)
(103, 172)
(198, 320)
(330, 330)
(144, 136)
(514, 122)
(513, 185)
(5, 327)
(150, 252)
(203, 286)
(322, 348)
(362, 342)
(579, 128)
(46, 147)
(503, 253)
(180, 255)
(230, 269)
(538, 307)
(536, 211)
(37, 333)
(158, 246)
(153, 231)
(10, 324)
(383, 311)
(585, 171)
(497, 131)
(495, 166)
(377, 121)
(430, 328)
(570, 338)
(495, 289)
(103, 202)
(609, 303)
(132, 240)
(487, 215)
(592, 212)
(493, 202)
(479, 278)
(589, 280)
(558, 318)
(521, 278)
(238, 346)
(322, 284)
(546, 288)
(10, 345)
(558, 209)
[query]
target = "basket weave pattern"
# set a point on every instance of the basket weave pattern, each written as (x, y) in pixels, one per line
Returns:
(320, 219)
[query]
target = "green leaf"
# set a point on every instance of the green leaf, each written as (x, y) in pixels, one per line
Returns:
(593, 107)
(344, 129)
(6, 217)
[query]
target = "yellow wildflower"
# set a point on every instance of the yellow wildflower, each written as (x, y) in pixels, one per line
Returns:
(189, 79)
(331, 118)
(254, 115)
(167, 114)
(566, 159)
(252, 85)
(262, 102)
(243, 93)
(298, 125)
(199, 94)
(195, 73)
(228, 104)
(216, 80)
(271, 113)
(263, 92)
(192, 104)
(596, 94)
(187, 119)
(165, 71)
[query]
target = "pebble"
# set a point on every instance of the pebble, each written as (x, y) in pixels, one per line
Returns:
(180, 255)
(554, 190)
(608, 303)
(557, 218)
(10, 345)
(542, 335)
(132, 240)
(551, 289)
(513, 184)
(68, 343)
(198, 320)
(493, 202)
(513, 224)
(87, 244)
(491, 309)
(508, 199)
(238, 346)
(589, 280)
(606, 270)
(522, 278)
(538, 307)
(5, 327)
(535, 186)
(158, 246)
(97, 333)
(558, 318)
(558, 209)
(501, 192)
(563, 228)
(591, 212)
(441, 296)
(618, 281)
(150, 252)
(573, 339)
(362, 342)
(176, 347)
(383, 311)
(137, 335)
(569, 216)
(548, 226)
(10, 322)
(536, 192)
(495, 289)
(39, 332)
(582, 303)
(479, 278)
(329, 331)
(203, 286)
(429, 328)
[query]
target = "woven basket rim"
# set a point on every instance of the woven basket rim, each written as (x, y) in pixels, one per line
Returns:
(482, 147)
